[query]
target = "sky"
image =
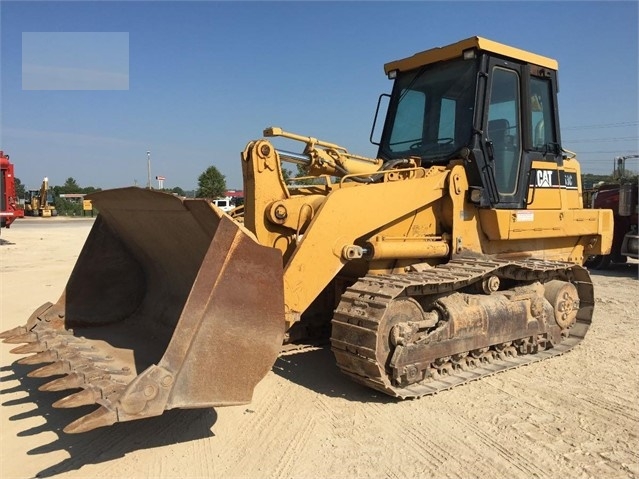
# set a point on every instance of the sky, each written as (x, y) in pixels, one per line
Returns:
(87, 88)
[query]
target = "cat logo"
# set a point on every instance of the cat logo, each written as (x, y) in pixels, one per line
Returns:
(544, 178)
(553, 179)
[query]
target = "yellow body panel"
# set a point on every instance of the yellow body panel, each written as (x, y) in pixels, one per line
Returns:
(573, 199)
(318, 256)
(560, 235)
(533, 224)
(566, 196)
(456, 50)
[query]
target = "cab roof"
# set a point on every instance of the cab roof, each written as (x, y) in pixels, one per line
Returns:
(456, 51)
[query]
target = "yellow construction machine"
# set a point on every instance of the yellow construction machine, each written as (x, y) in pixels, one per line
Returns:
(454, 254)
(40, 202)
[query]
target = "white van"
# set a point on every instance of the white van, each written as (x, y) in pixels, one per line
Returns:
(225, 204)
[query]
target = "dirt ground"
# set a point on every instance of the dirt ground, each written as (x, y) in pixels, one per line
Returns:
(573, 416)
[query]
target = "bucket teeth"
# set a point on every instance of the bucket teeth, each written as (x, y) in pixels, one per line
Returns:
(110, 390)
(35, 347)
(78, 378)
(45, 342)
(53, 369)
(39, 358)
(13, 332)
(98, 418)
(40, 332)
(72, 381)
(21, 338)
(52, 355)
(99, 358)
(81, 398)
(125, 371)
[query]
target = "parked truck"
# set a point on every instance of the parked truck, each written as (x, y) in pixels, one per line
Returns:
(453, 254)
(620, 196)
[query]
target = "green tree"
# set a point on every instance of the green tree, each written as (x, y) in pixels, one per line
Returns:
(211, 183)
(70, 207)
(70, 186)
(588, 180)
(178, 191)
(287, 174)
(302, 172)
(20, 190)
(67, 208)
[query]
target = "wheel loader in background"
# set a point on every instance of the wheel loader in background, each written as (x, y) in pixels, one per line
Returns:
(40, 202)
(454, 254)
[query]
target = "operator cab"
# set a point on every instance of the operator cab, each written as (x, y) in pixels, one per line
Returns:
(490, 104)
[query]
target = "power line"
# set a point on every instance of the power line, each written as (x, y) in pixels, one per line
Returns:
(602, 125)
(593, 160)
(616, 152)
(597, 140)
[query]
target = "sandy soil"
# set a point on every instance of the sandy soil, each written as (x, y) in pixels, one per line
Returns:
(573, 416)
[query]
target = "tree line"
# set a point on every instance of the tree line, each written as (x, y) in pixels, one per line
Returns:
(212, 185)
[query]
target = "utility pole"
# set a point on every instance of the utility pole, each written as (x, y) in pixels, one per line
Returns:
(148, 169)
(620, 165)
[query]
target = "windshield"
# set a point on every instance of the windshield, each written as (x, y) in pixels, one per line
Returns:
(431, 111)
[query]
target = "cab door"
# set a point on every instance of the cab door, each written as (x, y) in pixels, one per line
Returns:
(503, 132)
(521, 127)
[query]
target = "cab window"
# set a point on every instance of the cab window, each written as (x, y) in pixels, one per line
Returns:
(541, 111)
(504, 132)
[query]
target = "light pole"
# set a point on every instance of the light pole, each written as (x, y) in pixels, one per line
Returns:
(148, 169)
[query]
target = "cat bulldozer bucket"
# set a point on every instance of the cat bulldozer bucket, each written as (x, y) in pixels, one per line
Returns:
(171, 304)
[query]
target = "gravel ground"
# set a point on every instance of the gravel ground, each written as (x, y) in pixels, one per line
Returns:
(573, 416)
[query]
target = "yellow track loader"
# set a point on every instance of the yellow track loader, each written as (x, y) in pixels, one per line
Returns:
(454, 254)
